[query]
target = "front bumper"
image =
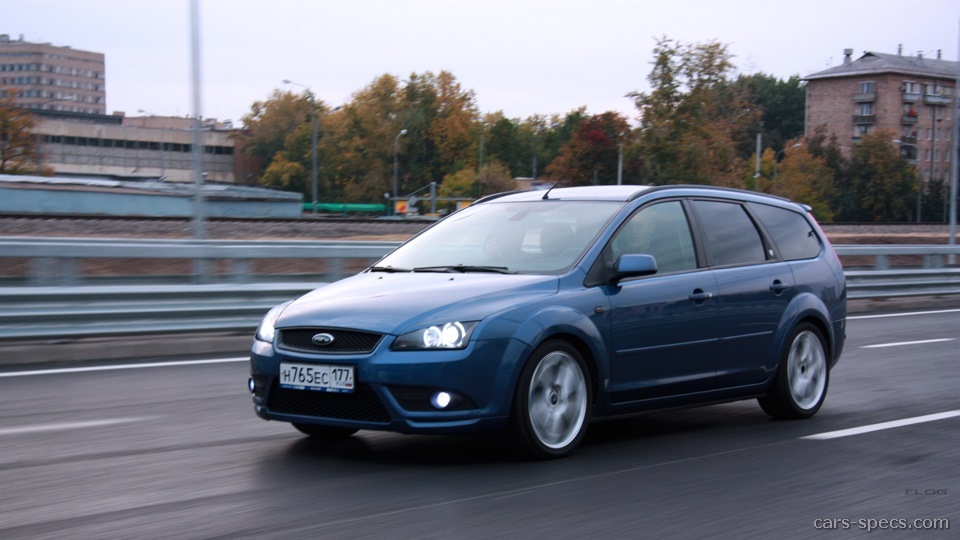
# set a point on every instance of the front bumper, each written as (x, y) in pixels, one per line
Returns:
(393, 389)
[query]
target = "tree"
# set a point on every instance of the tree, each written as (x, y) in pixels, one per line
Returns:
(494, 177)
(284, 174)
(591, 155)
(504, 143)
(269, 124)
(18, 144)
(882, 183)
(807, 179)
(693, 120)
(782, 103)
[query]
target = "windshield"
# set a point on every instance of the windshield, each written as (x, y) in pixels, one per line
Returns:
(506, 237)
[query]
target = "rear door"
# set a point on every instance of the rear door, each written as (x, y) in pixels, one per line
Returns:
(754, 288)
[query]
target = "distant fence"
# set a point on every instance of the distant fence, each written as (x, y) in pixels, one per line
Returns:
(70, 288)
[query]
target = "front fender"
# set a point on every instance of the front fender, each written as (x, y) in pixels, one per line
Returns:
(568, 322)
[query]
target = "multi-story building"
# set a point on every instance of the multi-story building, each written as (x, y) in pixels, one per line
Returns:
(117, 146)
(44, 76)
(911, 97)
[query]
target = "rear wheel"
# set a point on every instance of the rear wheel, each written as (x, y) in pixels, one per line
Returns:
(324, 433)
(802, 377)
(552, 403)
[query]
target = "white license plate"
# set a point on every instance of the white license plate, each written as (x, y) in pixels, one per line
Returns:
(325, 378)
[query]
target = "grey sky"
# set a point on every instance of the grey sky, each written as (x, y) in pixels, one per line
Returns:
(522, 57)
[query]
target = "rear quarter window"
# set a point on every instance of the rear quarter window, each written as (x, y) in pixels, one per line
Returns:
(790, 231)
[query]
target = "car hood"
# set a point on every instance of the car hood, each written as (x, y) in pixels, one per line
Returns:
(392, 303)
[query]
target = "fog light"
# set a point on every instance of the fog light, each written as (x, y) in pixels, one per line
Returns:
(251, 385)
(441, 400)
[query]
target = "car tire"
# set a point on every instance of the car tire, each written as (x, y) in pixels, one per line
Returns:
(800, 385)
(324, 433)
(552, 402)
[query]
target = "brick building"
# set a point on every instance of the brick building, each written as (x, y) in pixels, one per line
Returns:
(910, 96)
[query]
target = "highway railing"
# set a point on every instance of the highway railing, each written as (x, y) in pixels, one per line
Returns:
(74, 288)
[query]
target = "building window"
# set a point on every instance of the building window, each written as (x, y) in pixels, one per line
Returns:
(865, 109)
(862, 130)
(936, 156)
(867, 87)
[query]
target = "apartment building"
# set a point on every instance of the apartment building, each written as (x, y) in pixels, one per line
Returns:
(912, 97)
(48, 77)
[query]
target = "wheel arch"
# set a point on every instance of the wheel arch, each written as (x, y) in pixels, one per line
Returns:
(805, 308)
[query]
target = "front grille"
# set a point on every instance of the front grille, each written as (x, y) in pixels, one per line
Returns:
(362, 404)
(344, 341)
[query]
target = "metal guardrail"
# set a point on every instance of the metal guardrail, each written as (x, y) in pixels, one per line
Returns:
(55, 302)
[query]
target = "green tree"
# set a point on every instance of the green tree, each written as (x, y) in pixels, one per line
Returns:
(505, 144)
(782, 103)
(693, 119)
(18, 144)
(882, 183)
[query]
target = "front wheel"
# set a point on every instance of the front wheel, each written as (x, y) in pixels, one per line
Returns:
(800, 385)
(552, 403)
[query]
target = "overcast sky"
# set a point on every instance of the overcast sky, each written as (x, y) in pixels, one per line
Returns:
(522, 57)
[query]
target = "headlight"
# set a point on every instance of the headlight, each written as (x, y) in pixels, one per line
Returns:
(452, 335)
(267, 331)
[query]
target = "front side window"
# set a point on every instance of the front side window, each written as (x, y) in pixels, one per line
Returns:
(660, 230)
(730, 237)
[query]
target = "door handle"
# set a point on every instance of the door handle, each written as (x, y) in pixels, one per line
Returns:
(699, 296)
(778, 287)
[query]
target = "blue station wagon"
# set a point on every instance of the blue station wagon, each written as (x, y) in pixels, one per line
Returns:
(536, 312)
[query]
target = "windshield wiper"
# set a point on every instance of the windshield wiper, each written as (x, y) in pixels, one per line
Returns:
(388, 269)
(464, 268)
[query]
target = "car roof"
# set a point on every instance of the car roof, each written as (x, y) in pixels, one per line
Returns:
(581, 193)
(625, 193)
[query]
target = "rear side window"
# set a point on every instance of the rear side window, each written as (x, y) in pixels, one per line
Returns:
(793, 234)
(730, 237)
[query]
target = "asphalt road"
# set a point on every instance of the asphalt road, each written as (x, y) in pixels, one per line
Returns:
(175, 451)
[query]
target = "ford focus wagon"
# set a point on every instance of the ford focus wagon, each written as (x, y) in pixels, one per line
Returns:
(536, 312)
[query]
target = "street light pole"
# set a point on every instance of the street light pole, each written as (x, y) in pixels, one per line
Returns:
(313, 140)
(396, 166)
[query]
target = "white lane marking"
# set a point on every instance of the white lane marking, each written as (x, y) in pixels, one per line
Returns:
(921, 342)
(882, 426)
(69, 425)
(888, 315)
(122, 366)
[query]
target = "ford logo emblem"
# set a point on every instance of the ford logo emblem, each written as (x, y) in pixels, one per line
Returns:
(322, 340)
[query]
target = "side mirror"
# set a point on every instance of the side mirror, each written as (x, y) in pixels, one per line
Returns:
(628, 266)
